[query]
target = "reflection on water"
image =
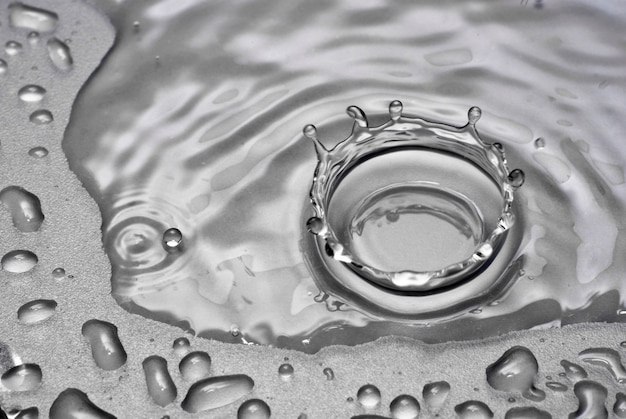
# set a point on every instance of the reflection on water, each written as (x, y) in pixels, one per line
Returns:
(194, 122)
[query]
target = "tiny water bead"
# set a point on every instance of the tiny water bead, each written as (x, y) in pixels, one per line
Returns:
(28, 17)
(36, 311)
(13, 48)
(516, 371)
(254, 409)
(60, 54)
(211, 393)
(195, 366)
(25, 377)
(74, 404)
(58, 273)
(38, 152)
(31, 93)
(106, 347)
(368, 396)
(161, 387)
(18, 261)
(404, 406)
(25, 208)
(41, 117)
(285, 372)
(473, 409)
(172, 239)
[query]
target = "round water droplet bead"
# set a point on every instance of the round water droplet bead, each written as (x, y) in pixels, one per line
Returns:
(368, 396)
(395, 110)
(195, 366)
(181, 346)
(25, 377)
(540, 143)
(315, 225)
(58, 273)
(19, 261)
(31, 93)
(172, 239)
(254, 409)
(25, 208)
(38, 152)
(474, 114)
(13, 48)
(329, 373)
(33, 37)
(404, 407)
(473, 409)
(41, 117)
(310, 132)
(285, 371)
(516, 178)
(526, 413)
(234, 330)
(36, 311)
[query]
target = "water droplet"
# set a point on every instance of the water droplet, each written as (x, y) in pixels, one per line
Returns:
(25, 208)
(515, 370)
(395, 110)
(13, 48)
(476, 311)
(285, 371)
(558, 387)
(74, 404)
(195, 366)
(58, 273)
(329, 373)
(526, 413)
(172, 239)
(516, 178)
(36, 311)
(540, 143)
(619, 408)
(161, 388)
(369, 396)
(234, 330)
(19, 261)
(607, 358)
(28, 17)
(404, 407)
(38, 152)
(60, 54)
(591, 399)
(214, 392)
(106, 347)
(136, 26)
(473, 409)
(41, 117)
(181, 346)
(25, 377)
(33, 38)
(315, 225)
(254, 409)
(356, 113)
(310, 132)
(28, 413)
(3, 66)
(31, 93)
(474, 114)
(435, 394)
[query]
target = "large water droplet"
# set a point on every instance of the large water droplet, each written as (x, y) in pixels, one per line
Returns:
(19, 261)
(369, 396)
(25, 377)
(31, 93)
(591, 399)
(106, 347)
(435, 394)
(404, 407)
(254, 409)
(607, 358)
(74, 404)
(619, 408)
(28, 17)
(515, 370)
(60, 54)
(573, 372)
(214, 392)
(25, 208)
(285, 372)
(41, 117)
(195, 366)
(527, 413)
(161, 387)
(172, 240)
(473, 409)
(36, 311)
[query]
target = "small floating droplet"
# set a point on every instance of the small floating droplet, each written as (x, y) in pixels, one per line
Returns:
(404, 407)
(254, 409)
(36, 311)
(315, 225)
(285, 371)
(41, 117)
(106, 347)
(25, 208)
(74, 404)
(161, 388)
(527, 413)
(395, 110)
(473, 409)
(619, 408)
(540, 143)
(19, 261)
(515, 370)
(435, 394)
(28, 17)
(195, 366)
(31, 93)
(558, 387)
(474, 114)
(358, 115)
(516, 178)
(329, 373)
(591, 399)
(369, 396)
(310, 132)
(136, 26)
(38, 152)
(607, 358)
(181, 346)
(60, 54)
(172, 239)
(25, 377)
(214, 392)
(13, 48)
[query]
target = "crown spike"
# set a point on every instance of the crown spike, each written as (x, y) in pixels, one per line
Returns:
(358, 115)
(473, 115)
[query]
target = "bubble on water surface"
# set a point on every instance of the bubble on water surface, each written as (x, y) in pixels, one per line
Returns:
(23, 16)
(254, 409)
(368, 396)
(41, 117)
(31, 93)
(161, 387)
(25, 208)
(36, 311)
(211, 393)
(106, 347)
(18, 261)
(74, 404)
